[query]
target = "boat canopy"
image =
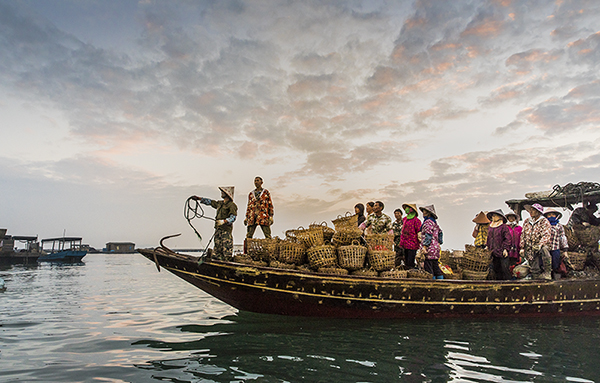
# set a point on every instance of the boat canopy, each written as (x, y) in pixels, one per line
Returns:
(560, 196)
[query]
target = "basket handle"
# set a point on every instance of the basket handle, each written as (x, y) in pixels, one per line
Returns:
(355, 242)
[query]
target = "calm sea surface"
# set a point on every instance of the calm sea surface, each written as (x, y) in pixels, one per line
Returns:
(116, 319)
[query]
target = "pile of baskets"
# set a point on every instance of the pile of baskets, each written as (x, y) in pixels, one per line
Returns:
(475, 263)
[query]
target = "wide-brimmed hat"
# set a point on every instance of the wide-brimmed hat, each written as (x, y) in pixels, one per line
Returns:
(513, 214)
(227, 190)
(412, 206)
(499, 212)
(550, 210)
(481, 218)
(536, 206)
(430, 209)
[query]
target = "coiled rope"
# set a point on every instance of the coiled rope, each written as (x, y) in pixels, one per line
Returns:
(191, 210)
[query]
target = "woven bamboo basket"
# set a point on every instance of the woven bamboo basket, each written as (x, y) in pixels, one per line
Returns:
(475, 259)
(348, 221)
(572, 239)
(292, 252)
(352, 257)
(394, 274)
(290, 236)
(475, 275)
(379, 242)
(577, 260)
(310, 237)
(321, 256)
(333, 270)
(366, 273)
(262, 249)
(327, 231)
(419, 274)
(587, 235)
(281, 265)
(382, 260)
(345, 237)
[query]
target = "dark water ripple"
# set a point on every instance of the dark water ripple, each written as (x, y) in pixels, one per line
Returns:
(114, 318)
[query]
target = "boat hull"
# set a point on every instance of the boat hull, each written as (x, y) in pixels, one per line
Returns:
(63, 256)
(292, 292)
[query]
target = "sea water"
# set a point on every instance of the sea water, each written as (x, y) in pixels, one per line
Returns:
(115, 318)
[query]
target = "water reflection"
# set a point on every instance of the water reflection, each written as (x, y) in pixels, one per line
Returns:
(291, 349)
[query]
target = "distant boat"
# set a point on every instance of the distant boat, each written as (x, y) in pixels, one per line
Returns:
(62, 249)
(2, 285)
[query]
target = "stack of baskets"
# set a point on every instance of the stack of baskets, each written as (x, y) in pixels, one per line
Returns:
(263, 249)
(588, 236)
(381, 255)
(328, 232)
(346, 230)
(292, 250)
(475, 263)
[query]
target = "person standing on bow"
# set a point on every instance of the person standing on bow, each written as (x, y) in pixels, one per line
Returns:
(260, 210)
(224, 219)
(482, 224)
(432, 238)
(558, 240)
(409, 237)
(535, 241)
(499, 243)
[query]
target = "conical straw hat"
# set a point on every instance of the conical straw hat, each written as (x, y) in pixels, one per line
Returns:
(227, 190)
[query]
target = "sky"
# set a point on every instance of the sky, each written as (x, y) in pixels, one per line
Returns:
(113, 113)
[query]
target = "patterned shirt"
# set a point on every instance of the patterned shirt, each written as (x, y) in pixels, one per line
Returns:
(260, 208)
(410, 229)
(558, 239)
(535, 234)
(379, 225)
(432, 235)
(397, 228)
(482, 233)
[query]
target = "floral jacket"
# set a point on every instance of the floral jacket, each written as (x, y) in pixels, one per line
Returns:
(535, 234)
(260, 208)
(409, 237)
(432, 238)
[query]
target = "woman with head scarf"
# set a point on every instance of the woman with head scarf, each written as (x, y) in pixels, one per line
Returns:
(431, 239)
(409, 236)
(499, 243)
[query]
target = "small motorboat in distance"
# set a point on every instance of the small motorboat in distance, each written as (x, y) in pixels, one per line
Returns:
(62, 249)
(2, 285)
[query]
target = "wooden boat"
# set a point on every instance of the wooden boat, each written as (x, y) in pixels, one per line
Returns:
(62, 249)
(299, 293)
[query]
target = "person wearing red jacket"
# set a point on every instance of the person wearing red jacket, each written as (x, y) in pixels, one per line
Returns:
(260, 210)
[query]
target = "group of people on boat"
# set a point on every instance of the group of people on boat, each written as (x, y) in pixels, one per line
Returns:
(541, 241)
(409, 233)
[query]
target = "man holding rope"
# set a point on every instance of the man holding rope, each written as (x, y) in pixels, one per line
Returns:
(224, 219)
